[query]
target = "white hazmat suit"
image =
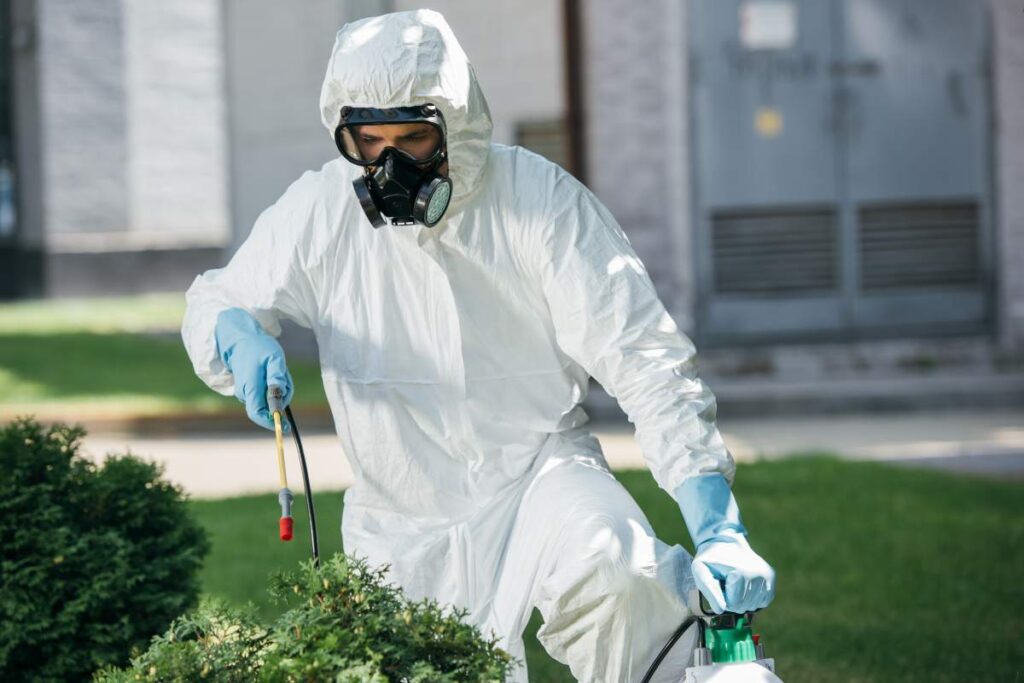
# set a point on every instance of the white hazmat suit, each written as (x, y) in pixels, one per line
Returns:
(455, 359)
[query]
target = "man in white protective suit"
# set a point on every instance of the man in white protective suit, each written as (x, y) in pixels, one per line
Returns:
(455, 358)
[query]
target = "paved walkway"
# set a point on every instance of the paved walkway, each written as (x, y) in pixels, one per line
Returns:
(990, 443)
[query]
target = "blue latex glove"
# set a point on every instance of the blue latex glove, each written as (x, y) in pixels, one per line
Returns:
(256, 360)
(728, 573)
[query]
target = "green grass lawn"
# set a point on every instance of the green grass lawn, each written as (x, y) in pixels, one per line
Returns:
(106, 354)
(884, 574)
(140, 313)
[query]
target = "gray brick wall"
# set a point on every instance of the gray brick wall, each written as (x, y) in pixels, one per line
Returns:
(637, 151)
(132, 134)
(177, 143)
(84, 127)
(1008, 64)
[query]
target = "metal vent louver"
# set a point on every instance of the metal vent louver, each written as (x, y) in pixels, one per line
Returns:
(774, 252)
(919, 245)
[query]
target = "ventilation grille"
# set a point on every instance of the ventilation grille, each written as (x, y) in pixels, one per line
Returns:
(788, 251)
(919, 246)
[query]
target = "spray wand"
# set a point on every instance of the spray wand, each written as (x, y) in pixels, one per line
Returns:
(275, 399)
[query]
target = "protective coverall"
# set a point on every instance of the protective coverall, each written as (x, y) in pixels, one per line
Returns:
(455, 359)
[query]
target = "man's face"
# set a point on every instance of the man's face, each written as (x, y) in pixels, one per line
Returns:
(418, 140)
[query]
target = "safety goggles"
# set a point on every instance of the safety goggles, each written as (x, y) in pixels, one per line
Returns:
(421, 145)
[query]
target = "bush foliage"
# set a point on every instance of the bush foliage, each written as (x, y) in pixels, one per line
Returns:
(94, 560)
(214, 643)
(345, 624)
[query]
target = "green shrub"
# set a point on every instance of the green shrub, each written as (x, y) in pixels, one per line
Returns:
(214, 643)
(346, 625)
(95, 560)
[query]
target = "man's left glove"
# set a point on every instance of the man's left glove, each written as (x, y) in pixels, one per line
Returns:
(728, 573)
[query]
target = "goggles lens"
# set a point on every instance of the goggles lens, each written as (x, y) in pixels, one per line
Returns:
(364, 145)
(417, 133)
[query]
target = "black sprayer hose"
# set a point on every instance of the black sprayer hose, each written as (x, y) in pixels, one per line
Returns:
(672, 641)
(305, 486)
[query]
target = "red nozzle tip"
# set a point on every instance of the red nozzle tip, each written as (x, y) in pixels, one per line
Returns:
(757, 638)
(286, 528)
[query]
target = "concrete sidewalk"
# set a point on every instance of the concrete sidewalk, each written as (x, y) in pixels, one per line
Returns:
(988, 443)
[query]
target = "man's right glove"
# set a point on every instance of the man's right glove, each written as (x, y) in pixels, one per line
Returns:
(728, 573)
(256, 360)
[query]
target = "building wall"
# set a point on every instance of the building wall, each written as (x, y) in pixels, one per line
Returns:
(276, 57)
(171, 126)
(644, 177)
(177, 174)
(27, 115)
(81, 61)
(21, 254)
(1008, 73)
(121, 144)
(148, 126)
(132, 135)
(635, 109)
(516, 51)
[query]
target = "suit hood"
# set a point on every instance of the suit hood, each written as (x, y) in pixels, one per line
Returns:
(410, 58)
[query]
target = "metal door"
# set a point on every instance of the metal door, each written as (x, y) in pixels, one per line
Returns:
(841, 157)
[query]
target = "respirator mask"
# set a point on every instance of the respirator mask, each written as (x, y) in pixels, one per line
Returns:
(401, 179)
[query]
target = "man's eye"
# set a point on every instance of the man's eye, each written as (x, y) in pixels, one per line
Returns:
(370, 141)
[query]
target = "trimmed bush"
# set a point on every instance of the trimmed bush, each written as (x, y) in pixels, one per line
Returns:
(346, 625)
(214, 643)
(94, 560)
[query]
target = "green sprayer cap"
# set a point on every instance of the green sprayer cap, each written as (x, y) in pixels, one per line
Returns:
(731, 644)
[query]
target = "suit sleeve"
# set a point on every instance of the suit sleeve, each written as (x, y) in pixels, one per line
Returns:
(266, 277)
(608, 317)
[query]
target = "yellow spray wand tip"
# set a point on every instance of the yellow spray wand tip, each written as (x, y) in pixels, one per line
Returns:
(279, 438)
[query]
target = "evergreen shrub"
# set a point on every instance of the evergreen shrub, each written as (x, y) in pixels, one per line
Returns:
(94, 559)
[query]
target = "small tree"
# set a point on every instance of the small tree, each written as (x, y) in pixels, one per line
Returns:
(93, 559)
(346, 625)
